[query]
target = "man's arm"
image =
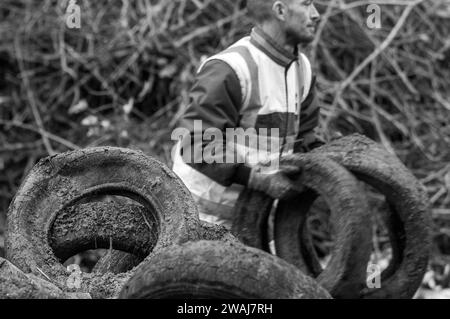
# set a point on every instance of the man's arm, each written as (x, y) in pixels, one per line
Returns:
(215, 99)
(308, 137)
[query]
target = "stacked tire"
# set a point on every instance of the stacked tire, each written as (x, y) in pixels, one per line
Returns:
(134, 206)
(332, 172)
(158, 247)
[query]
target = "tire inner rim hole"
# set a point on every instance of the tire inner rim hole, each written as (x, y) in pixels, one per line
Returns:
(321, 232)
(86, 260)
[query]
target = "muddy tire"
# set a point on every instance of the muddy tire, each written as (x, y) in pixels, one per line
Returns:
(251, 220)
(345, 275)
(409, 221)
(14, 284)
(57, 184)
(119, 262)
(213, 269)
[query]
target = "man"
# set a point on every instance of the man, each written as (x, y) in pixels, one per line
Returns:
(262, 82)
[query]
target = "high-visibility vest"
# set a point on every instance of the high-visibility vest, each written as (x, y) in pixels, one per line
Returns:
(271, 94)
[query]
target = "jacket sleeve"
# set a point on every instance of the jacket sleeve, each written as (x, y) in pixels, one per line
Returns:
(308, 138)
(215, 100)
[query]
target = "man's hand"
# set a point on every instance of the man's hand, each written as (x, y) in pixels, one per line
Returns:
(276, 183)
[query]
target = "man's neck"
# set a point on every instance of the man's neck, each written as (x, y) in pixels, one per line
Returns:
(278, 36)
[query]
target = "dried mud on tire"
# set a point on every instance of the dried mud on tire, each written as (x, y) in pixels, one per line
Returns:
(119, 262)
(60, 182)
(14, 284)
(214, 269)
(345, 275)
(105, 225)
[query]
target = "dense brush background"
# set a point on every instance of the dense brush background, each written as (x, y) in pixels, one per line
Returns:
(123, 79)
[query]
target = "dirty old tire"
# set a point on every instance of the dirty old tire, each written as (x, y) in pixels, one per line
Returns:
(56, 184)
(410, 219)
(345, 275)
(14, 284)
(214, 269)
(119, 262)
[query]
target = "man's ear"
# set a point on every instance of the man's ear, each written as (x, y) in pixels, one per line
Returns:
(280, 10)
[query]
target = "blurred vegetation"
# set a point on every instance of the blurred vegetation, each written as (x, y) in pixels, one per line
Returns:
(123, 79)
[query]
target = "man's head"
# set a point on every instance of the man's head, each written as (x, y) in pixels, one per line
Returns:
(297, 19)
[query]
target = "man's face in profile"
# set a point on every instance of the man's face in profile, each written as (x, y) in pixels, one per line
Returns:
(302, 19)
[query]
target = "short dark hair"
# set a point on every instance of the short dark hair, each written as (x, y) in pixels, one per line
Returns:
(261, 10)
